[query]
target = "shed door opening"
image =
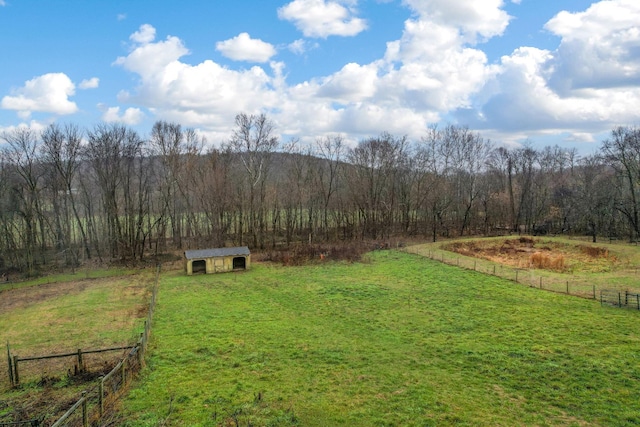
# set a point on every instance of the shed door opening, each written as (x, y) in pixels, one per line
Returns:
(239, 263)
(199, 266)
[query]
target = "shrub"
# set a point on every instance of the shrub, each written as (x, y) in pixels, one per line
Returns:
(306, 254)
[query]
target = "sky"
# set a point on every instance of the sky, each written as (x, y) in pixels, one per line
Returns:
(562, 72)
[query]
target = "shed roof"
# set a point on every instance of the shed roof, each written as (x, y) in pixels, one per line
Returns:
(216, 252)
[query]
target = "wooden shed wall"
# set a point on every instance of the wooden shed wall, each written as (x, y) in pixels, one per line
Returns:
(217, 264)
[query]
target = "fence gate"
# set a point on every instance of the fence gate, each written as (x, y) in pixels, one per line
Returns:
(622, 299)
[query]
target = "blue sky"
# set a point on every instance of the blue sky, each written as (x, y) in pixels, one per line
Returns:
(563, 72)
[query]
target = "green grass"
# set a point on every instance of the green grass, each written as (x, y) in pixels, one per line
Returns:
(398, 340)
(59, 317)
(622, 275)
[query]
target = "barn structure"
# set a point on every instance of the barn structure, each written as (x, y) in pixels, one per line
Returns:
(217, 260)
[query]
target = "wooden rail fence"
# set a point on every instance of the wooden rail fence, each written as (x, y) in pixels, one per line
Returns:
(14, 360)
(96, 402)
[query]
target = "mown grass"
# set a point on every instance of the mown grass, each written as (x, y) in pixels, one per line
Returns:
(398, 340)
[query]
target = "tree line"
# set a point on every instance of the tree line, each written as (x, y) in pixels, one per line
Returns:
(69, 194)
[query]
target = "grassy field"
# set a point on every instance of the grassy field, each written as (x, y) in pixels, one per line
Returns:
(398, 340)
(618, 269)
(58, 316)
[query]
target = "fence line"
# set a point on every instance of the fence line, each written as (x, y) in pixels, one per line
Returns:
(521, 276)
(620, 299)
(101, 398)
(14, 377)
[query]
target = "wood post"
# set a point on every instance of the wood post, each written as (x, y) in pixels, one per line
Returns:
(10, 364)
(85, 412)
(567, 286)
(124, 371)
(80, 362)
(16, 376)
(101, 396)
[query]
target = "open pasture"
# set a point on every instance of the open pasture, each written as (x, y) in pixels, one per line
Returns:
(396, 340)
(58, 316)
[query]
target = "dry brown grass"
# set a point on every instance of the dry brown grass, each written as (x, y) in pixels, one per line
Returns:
(530, 252)
(547, 261)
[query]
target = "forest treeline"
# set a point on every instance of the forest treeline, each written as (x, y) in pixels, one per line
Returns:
(68, 194)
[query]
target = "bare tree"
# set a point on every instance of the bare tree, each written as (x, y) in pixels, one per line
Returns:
(622, 152)
(111, 152)
(375, 162)
(331, 150)
(61, 149)
(22, 154)
(254, 141)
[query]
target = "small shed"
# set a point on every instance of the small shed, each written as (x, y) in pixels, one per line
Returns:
(217, 260)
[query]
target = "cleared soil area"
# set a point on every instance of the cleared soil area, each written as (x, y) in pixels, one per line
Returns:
(540, 253)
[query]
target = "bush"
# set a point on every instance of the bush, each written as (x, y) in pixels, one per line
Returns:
(307, 254)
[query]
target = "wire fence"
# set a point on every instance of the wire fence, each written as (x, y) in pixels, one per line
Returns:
(620, 299)
(524, 276)
(99, 400)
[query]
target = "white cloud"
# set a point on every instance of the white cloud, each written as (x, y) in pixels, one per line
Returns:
(433, 70)
(121, 16)
(131, 116)
(354, 83)
(91, 83)
(34, 125)
(589, 84)
(205, 94)
(298, 47)
(244, 48)
(321, 18)
(47, 93)
(3, 3)
(473, 19)
(600, 47)
(146, 34)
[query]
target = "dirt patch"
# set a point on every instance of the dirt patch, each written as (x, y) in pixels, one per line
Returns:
(23, 297)
(528, 252)
(51, 386)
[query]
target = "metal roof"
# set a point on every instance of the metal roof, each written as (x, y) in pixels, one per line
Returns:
(216, 252)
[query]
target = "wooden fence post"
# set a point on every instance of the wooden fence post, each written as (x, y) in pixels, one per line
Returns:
(124, 371)
(85, 413)
(101, 397)
(626, 297)
(540, 282)
(140, 352)
(16, 376)
(9, 364)
(567, 286)
(594, 291)
(516, 276)
(80, 362)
